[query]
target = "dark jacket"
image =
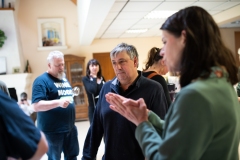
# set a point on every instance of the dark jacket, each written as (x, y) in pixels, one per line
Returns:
(92, 89)
(158, 78)
(118, 132)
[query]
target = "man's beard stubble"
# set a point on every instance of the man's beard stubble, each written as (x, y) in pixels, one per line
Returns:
(61, 75)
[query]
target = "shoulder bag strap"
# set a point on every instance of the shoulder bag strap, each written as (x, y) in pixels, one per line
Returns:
(151, 75)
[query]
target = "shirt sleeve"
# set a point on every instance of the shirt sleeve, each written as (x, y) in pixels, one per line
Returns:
(158, 102)
(163, 82)
(185, 124)
(38, 91)
(22, 136)
(156, 121)
(94, 135)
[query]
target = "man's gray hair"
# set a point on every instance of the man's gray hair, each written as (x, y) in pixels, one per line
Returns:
(130, 49)
(54, 54)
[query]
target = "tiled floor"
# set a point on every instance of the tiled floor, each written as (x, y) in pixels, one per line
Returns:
(82, 131)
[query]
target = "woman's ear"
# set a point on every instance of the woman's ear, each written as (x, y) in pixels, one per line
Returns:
(184, 36)
(162, 62)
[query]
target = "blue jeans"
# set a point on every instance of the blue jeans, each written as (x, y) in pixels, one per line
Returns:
(63, 142)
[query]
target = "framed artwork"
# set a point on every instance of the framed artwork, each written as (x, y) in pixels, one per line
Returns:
(16, 70)
(51, 34)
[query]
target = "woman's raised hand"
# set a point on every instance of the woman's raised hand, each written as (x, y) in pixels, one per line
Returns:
(134, 110)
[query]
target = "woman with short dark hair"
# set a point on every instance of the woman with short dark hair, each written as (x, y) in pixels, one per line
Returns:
(93, 82)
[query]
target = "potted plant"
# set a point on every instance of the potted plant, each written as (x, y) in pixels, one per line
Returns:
(2, 38)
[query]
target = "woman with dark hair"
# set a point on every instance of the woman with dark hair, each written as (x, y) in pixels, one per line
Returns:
(203, 123)
(155, 68)
(93, 82)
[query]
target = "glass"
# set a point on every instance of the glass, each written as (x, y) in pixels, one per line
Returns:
(79, 98)
(75, 91)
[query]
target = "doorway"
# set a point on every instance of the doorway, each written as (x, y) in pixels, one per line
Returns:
(106, 65)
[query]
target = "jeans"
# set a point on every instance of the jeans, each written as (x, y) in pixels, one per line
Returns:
(63, 142)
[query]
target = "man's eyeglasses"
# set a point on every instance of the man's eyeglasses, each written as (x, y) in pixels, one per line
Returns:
(23, 100)
(59, 65)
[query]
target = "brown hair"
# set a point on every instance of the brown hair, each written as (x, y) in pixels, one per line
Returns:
(153, 57)
(96, 63)
(204, 46)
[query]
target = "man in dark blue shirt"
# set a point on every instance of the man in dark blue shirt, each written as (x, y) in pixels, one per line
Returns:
(52, 99)
(19, 138)
(118, 132)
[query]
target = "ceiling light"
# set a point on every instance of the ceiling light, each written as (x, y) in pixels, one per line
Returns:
(159, 14)
(236, 22)
(136, 30)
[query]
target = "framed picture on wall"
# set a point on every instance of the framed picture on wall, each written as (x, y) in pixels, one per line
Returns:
(51, 34)
(16, 70)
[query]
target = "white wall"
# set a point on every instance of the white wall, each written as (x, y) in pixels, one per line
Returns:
(11, 48)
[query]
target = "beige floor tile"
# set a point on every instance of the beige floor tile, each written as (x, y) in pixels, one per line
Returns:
(82, 131)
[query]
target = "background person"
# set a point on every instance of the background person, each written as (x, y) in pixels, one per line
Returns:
(155, 68)
(93, 82)
(203, 123)
(117, 131)
(4, 88)
(19, 138)
(53, 102)
(25, 105)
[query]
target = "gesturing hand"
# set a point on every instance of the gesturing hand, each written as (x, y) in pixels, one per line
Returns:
(134, 111)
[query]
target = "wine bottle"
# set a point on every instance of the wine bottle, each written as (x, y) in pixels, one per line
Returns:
(26, 68)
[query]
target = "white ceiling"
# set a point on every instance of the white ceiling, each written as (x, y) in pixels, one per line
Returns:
(112, 18)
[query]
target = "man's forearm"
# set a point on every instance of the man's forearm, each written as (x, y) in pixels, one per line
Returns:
(45, 105)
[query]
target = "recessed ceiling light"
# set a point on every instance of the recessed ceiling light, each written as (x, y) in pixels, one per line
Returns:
(235, 22)
(136, 30)
(159, 14)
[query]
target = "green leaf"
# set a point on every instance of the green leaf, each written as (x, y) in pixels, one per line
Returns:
(2, 38)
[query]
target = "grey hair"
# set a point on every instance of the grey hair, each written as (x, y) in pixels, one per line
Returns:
(130, 49)
(54, 54)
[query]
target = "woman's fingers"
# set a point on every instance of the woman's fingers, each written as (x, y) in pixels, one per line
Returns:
(117, 109)
(117, 102)
(141, 103)
(134, 110)
(130, 103)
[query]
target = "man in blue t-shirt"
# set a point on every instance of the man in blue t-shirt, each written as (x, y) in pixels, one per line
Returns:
(19, 138)
(52, 100)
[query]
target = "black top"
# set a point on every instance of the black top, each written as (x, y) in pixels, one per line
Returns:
(47, 88)
(19, 137)
(92, 88)
(118, 132)
(163, 82)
